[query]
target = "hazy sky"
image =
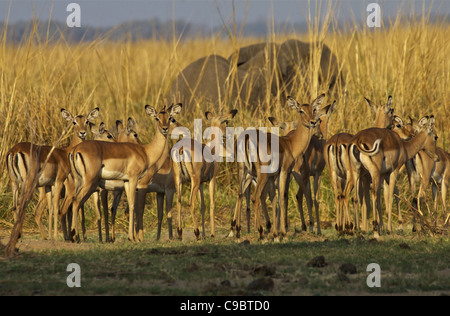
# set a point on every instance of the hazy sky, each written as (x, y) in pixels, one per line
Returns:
(206, 12)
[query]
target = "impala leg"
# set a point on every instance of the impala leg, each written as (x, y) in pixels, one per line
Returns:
(117, 196)
(299, 197)
(247, 210)
(399, 211)
(261, 182)
(130, 191)
(38, 212)
(195, 183)
(139, 208)
(169, 202)
(104, 201)
(78, 203)
(202, 208)
(212, 206)
(243, 189)
(48, 194)
(270, 187)
(160, 210)
(178, 186)
(376, 207)
(282, 189)
(98, 216)
(56, 192)
(309, 203)
(392, 181)
(317, 180)
(444, 202)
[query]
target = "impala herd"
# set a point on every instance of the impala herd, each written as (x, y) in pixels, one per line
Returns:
(363, 163)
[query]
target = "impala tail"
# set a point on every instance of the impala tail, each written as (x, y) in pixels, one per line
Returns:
(364, 148)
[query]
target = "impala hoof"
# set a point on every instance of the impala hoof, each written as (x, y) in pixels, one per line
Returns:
(197, 233)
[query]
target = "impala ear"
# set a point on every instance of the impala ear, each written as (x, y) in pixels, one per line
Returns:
(130, 124)
(431, 123)
(66, 115)
(389, 103)
(208, 115)
(93, 114)
(397, 121)
(150, 110)
(175, 109)
(119, 126)
(101, 128)
(423, 122)
(332, 108)
(283, 125)
(318, 101)
(370, 103)
(273, 120)
(316, 105)
(233, 113)
(292, 103)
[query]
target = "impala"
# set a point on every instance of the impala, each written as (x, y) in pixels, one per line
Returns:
(53, 167)
(162, 183)
(339, 167)
(194, 162)
(287, 151)
(382, 153)
(93, 162)
(424, 169)
(313, 165)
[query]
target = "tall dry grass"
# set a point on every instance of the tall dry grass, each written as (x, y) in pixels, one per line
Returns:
(407, 59)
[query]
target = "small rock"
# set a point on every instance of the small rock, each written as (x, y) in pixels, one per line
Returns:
(264, 270)
(261, 284)
(317, 262)
(348, 268)
(245, 243)
(342, 277)
(225, 283)
(192, 268)
(404, 246)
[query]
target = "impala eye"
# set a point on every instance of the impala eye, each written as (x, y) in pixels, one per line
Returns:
(109, 136)
(74, 123)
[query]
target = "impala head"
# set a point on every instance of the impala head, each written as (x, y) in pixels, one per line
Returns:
(384, 114)
(165, 118)
(80, 122)
(405, 131)
(101, 133)
(309, 114)
(219, 124)
(324, 116)
(286, 127)
(426, 125)
(128, 134)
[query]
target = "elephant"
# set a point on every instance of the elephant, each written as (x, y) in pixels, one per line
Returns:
(205, 81)
(292, 61)
(253, 75)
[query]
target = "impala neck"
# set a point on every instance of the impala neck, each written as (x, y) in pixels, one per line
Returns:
(74, 142)
(415, 144)
(158, 149)
(300, 138)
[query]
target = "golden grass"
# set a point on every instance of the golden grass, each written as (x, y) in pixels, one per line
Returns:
(408, 60)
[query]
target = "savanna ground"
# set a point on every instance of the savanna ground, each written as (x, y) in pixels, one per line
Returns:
(408, 60)
(410, 265)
